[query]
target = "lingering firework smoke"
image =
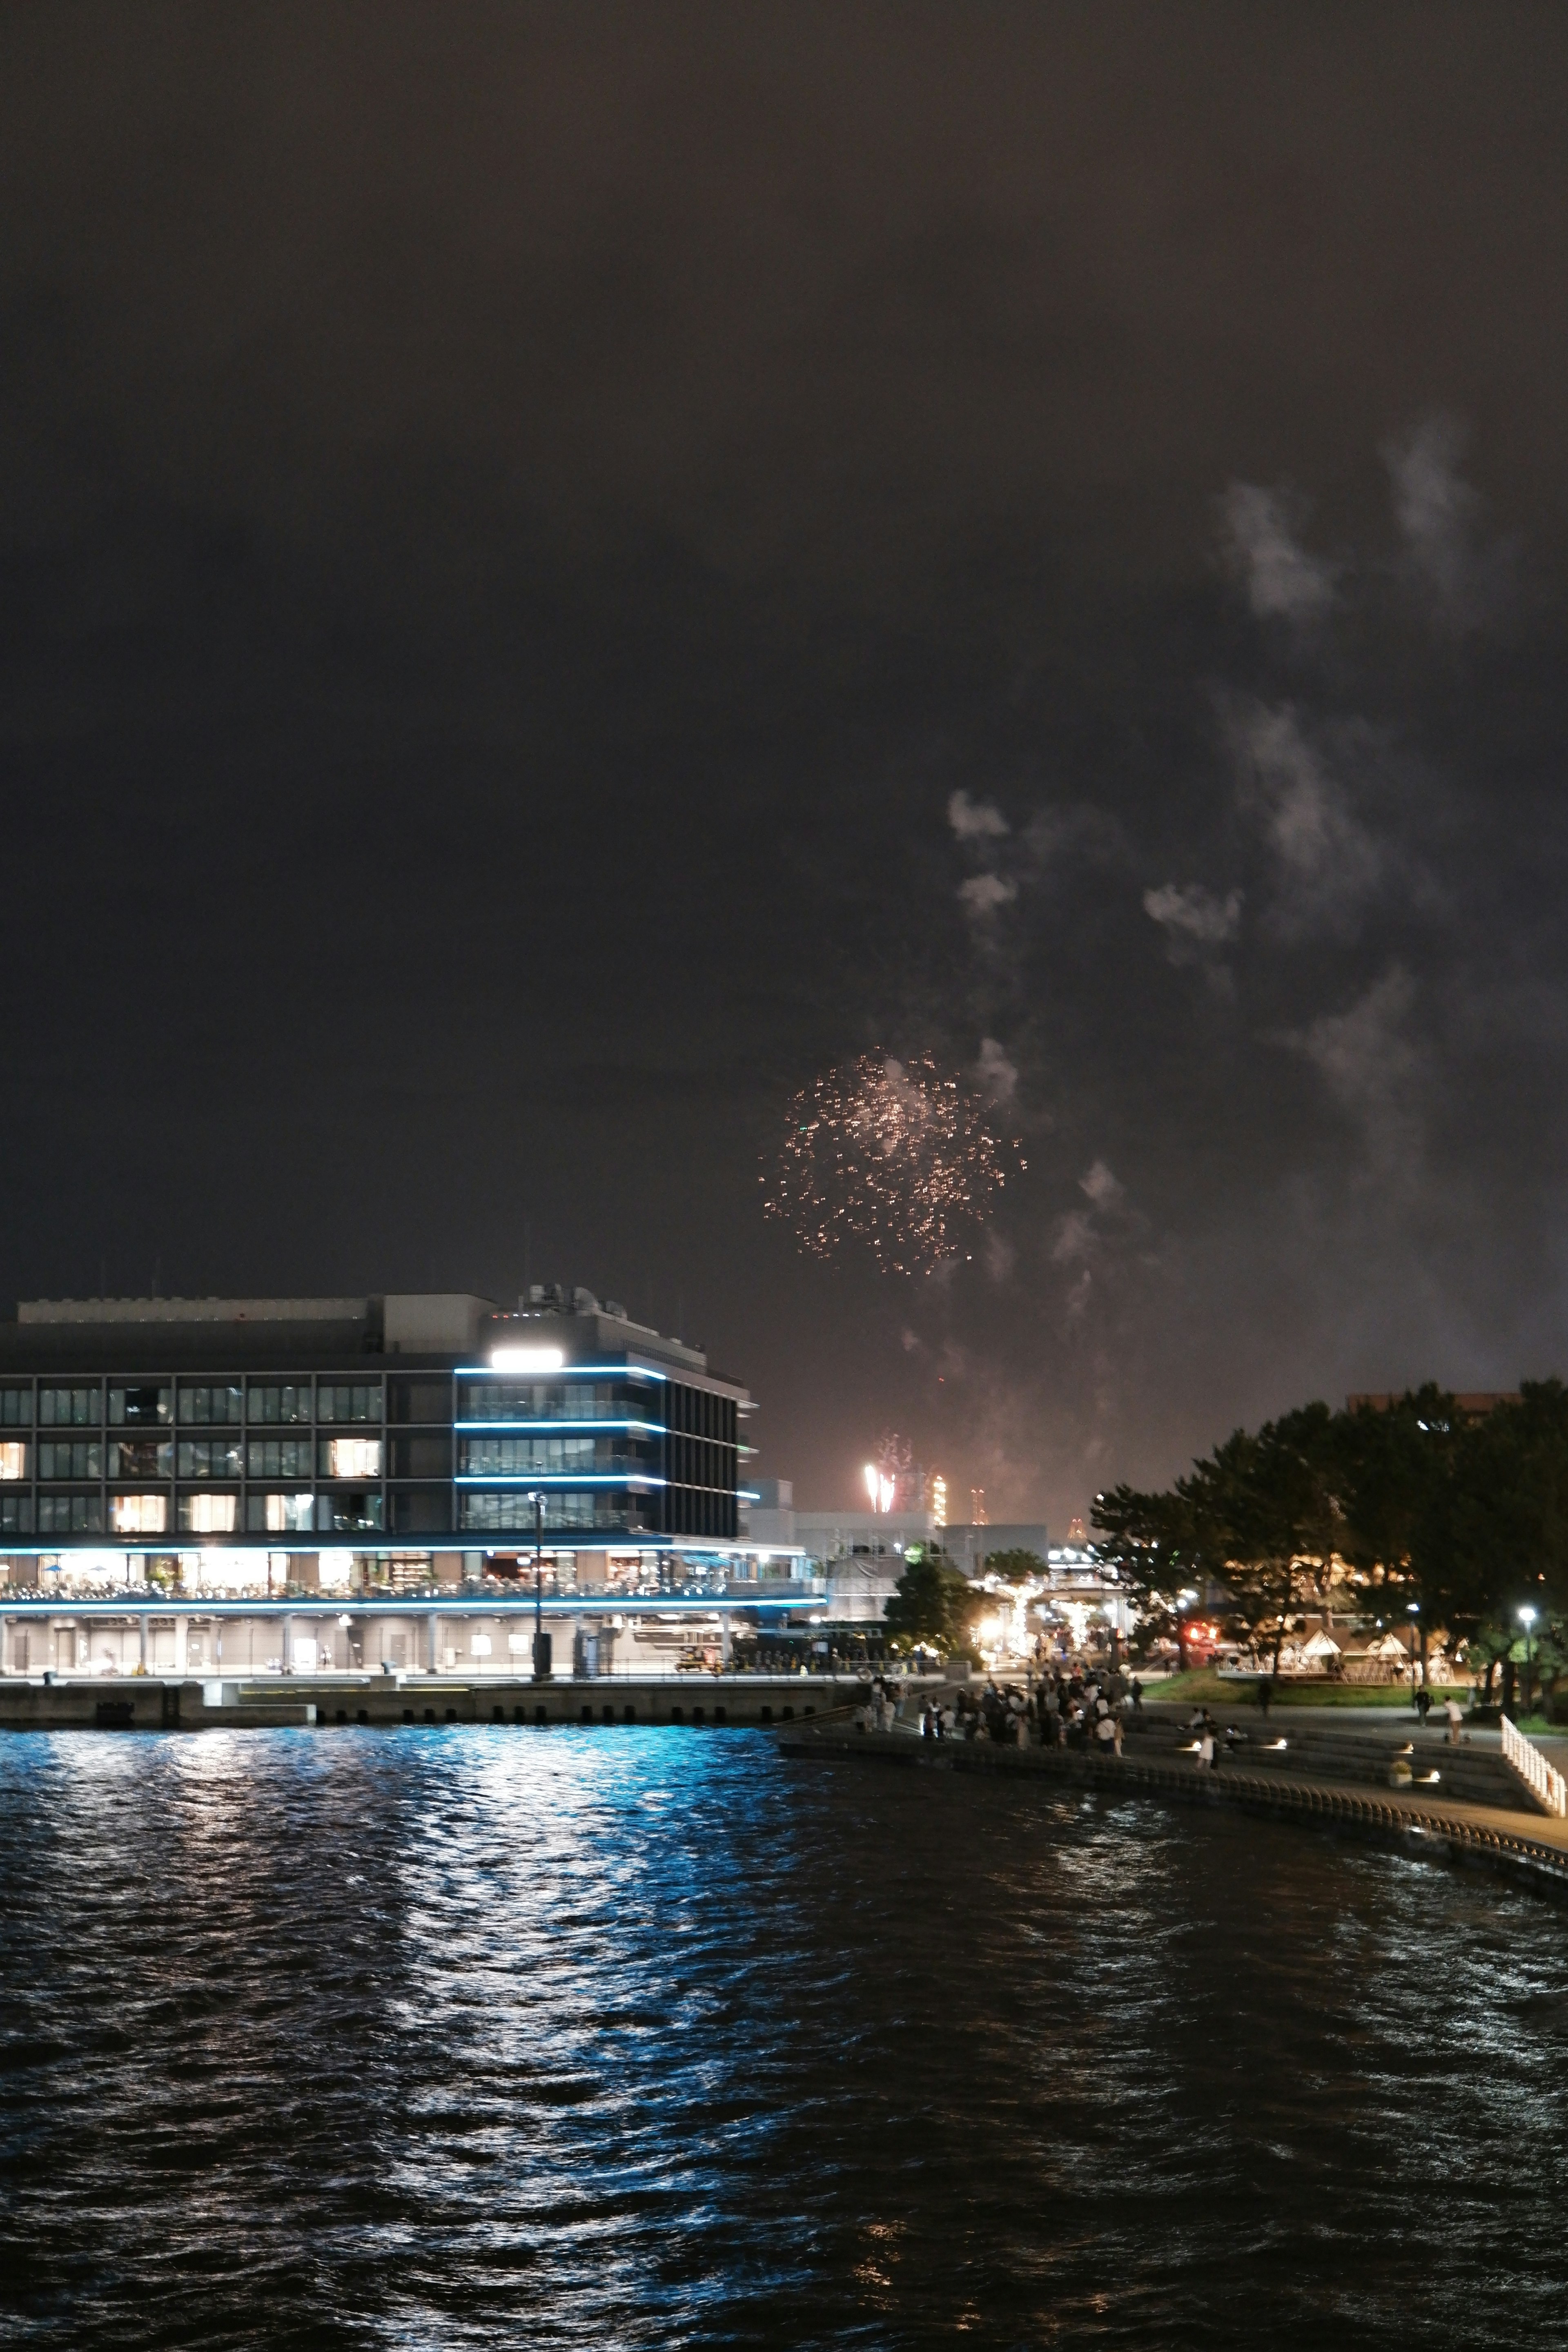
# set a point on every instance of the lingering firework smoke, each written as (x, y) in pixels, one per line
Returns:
(889, 1153)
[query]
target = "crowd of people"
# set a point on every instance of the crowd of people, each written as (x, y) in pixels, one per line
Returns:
(1085, 1706)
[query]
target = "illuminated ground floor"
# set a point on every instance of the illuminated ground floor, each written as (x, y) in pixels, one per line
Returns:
(481, 1630)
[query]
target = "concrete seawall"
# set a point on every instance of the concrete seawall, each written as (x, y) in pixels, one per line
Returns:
(1474, 1836)
(143, 1703)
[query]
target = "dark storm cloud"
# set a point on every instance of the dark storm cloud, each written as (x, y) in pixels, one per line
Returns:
(563, 569)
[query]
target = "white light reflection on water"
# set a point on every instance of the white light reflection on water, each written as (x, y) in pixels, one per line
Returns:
(461, 2037)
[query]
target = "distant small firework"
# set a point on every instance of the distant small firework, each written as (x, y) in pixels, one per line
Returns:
(889, 1153)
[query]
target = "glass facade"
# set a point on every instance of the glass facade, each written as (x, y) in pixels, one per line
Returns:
(302, 1455)
(76, 1408)
(140, 1406)
(70, 1457)
(70, 1515)
(210, 1457)
(508, 1457)
(140, 1457)
(209, 1514)
(278, 1458)
(287, 1400)
(552, 1401)
(514, 1513)
(205, 1405)
(280, 1515)
(340, 1401)
(139, 1514)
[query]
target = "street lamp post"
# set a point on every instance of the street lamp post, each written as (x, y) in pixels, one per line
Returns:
(1527, 1619)
(1413, 1610)
(543, 1659)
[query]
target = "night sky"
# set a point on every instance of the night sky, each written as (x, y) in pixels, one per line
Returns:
(565, 570)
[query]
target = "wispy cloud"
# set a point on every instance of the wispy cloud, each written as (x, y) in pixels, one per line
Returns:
(984, 893)
(1372, 1068)
(1326, 862)
(1195, 922)
(1283, 581)
(997, 1076)
(1438, 514)
(976, 819)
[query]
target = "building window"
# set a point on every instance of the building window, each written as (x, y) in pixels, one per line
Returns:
(350, 1457)
(204, 1405)
(279, 1515)
(278, 1457)
(69, 1514)
(504, 1457)
(64, 1457)
(209, 1457)
(141, 1405)
(13, 1458)
(139, 1514)
(16, 1514)
(289, 1401)
(140, 1457)
(16, 1407)
(69, 1408)
(208, 1515)
(347, 1401)
(514, 1511)
(348, 1514)
(550, 1400)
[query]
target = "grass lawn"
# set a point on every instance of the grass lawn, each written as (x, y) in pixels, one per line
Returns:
(1204, 1687)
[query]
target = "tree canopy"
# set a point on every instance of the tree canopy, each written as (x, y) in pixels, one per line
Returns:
(1463, 1514)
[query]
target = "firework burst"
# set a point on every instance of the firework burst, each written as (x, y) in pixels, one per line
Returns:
(892, 1154)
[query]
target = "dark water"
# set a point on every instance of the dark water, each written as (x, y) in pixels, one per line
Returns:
(470, 2038)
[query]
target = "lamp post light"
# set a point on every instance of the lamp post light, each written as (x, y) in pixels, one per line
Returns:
(1527, 1619)
(1413, 1610)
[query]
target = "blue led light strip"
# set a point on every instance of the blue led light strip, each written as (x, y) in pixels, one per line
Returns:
(654, 1428)
(560, 1372)
(560, 1478)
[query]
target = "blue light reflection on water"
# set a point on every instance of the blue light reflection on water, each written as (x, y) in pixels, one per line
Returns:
(459, 2037)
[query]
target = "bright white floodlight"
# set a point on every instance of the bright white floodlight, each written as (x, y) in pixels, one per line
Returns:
(526, 1360)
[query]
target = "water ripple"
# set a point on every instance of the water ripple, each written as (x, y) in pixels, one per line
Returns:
(460, 2038)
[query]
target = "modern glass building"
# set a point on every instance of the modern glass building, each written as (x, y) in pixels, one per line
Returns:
(430, 1430)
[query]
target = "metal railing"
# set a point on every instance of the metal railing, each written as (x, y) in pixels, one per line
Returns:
(1543, 1779)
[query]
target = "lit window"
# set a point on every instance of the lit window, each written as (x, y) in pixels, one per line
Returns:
(479, 1646)
(13, 1459)
(279, 1515)
(139, 1514)
(207, 1515)
(350, 1457)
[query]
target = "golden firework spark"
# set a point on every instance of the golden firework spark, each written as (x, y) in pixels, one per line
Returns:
(893, 1154)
